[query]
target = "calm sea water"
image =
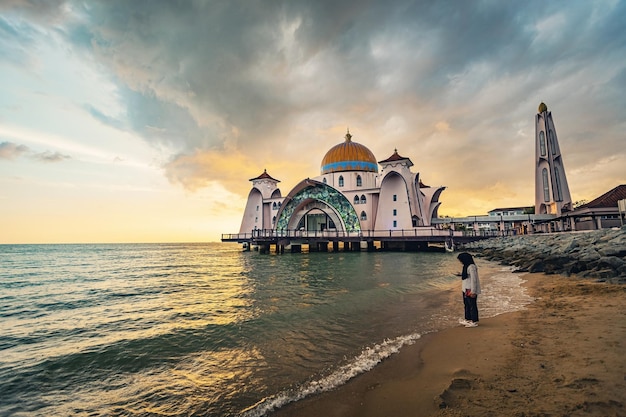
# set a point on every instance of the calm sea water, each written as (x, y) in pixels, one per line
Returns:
(209, 330)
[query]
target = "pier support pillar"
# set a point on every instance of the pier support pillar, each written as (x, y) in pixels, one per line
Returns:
(295, 248)
(335, 246)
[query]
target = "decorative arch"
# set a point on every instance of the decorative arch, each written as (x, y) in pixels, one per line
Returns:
(310, 193)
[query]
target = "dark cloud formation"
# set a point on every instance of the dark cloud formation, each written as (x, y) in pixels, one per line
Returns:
(451, 84)
(11, 151)
(48, 156)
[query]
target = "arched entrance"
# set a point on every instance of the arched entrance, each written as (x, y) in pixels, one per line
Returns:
(315, 206)
(317, 217)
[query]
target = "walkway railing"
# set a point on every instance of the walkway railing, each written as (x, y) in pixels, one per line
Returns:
(270, 234)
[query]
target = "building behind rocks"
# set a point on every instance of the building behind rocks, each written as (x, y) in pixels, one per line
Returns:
(600, 213)
(599, 254)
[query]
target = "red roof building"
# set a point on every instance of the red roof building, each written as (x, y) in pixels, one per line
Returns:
(599, 213)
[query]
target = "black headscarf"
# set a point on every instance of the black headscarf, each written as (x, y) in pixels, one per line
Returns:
(466, 259)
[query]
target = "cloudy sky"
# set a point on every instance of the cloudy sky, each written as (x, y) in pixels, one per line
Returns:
(142, 121)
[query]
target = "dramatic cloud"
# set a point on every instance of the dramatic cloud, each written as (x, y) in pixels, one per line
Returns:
(232, 87)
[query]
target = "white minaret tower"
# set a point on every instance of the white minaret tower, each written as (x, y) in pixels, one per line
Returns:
(263, 202)
(551, 190)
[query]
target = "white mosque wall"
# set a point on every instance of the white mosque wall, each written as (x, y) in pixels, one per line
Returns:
(253, 213)
(393, 205)
(431, 203)
(543, 188)
(349, 180)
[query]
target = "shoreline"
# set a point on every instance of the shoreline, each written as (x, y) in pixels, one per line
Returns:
(561, 355)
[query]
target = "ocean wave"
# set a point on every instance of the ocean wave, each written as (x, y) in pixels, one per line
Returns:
(365, 361)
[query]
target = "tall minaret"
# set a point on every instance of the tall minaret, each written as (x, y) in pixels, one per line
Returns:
(551, 190)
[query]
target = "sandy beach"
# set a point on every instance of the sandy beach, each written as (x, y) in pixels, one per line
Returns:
(561, 356)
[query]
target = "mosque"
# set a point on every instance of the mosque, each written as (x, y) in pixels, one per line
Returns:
(354, 194)
(358, 201)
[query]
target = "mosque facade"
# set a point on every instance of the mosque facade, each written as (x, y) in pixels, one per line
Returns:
(353, 194)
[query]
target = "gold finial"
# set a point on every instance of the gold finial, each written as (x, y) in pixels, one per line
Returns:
(348, 135)
(543, 107)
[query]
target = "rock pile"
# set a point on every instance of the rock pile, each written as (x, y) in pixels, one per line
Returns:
(599, 254)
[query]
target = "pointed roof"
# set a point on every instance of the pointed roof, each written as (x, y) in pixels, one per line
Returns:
(608, 199)
(264, 176)
(396, 157)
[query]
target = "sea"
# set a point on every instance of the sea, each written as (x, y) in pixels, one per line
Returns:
(207, 329)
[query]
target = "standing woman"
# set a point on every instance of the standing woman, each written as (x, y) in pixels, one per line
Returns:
(471, 289)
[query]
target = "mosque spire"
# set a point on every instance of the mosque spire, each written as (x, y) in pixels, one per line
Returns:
(348, 135)
(552, 194)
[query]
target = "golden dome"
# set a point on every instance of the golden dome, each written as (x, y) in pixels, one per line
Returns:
(349, 156)
(543, 107)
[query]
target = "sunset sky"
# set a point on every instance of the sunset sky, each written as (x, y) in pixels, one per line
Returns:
(142, 121)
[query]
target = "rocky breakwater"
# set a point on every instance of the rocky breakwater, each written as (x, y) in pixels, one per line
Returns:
(599, 254)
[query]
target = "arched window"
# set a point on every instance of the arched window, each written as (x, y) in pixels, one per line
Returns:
(363, 216)
(274, 205)
(546, 186)
(551, 141)
(324, 180)
(356, 199)
(279, 204)
(557, 184)
(542, 143)
(273, 219)
(363, 199)
(341, 180)
(395, 212)
(359, 181)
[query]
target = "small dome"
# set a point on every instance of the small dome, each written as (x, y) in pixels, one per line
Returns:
(543, 107)
(349, 156)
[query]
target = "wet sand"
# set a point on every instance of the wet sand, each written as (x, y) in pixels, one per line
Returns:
(564, 355)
